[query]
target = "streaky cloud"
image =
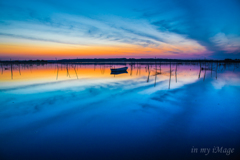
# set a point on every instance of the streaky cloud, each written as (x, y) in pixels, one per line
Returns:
(35, 39)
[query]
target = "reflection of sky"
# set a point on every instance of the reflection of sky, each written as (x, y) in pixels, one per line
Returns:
(70, 29)
(107, 116)
(54, 74)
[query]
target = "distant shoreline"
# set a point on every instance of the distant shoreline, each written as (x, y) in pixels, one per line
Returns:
(119, 60)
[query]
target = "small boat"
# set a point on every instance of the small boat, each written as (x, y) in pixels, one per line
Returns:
(116, 73)
(119, 69)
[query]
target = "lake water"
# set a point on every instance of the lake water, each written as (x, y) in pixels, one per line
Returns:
(156, 111)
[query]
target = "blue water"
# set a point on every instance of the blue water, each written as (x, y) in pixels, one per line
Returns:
(122, 117)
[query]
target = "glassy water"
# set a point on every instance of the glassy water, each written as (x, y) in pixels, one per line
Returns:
(154, 111)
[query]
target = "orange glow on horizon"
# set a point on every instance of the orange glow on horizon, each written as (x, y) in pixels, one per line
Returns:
(61, 51)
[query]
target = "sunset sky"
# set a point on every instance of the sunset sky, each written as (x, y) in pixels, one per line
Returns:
(186, 29)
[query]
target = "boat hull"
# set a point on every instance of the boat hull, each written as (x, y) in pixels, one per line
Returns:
(117, 73)
(119, 69)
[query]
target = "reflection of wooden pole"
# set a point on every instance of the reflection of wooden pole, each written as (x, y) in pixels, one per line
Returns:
(137, 69)
(216, 70)
(131, 70)
(176, 73)
(170, 76)
(160, 67)
(155, 75)
(155, 63)
(102, 69)
(75, 71)
(11, 72)
(2, 68)
(200, 71)
(155, 80)
(211, 69)
(148, 74)
(67, 71)
(204, 72)
(57, 72)
(19, 69)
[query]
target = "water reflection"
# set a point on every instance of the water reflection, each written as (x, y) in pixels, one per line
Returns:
(45, 72)
(51, 111)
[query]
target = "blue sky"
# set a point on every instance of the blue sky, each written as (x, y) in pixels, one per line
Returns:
(186, 28)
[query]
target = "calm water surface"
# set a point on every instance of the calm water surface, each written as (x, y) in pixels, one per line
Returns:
(80, 111)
